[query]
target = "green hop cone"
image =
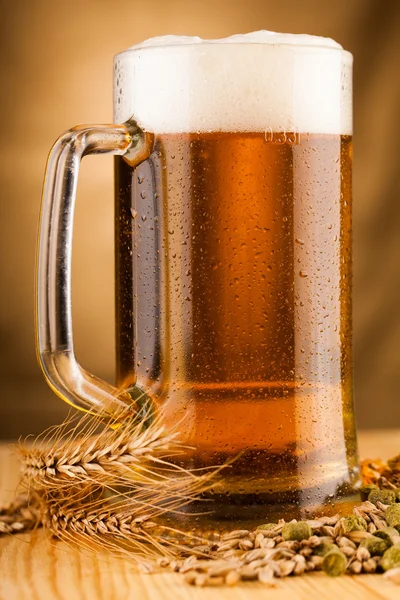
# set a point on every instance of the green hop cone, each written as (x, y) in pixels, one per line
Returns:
(366, 489)
(384, 496)
(388, 534)
(375, 545)
(334, 563)
(353, 523)
(296, 531)
(392, 516)
(391, 558)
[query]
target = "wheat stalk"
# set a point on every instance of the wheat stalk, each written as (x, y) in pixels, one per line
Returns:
(110, 455)
(101, 486)
(116, 528)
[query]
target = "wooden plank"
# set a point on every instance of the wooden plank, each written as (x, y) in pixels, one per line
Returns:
(34, 567)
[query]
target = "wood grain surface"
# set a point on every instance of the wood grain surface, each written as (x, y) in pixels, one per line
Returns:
(33, 567)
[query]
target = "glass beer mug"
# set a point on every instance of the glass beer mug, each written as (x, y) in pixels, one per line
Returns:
(233, 262)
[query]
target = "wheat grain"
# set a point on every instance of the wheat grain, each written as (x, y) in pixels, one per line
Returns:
(19, 516)
(112, 454)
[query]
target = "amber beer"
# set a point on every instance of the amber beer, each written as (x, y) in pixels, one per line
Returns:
(233, 302)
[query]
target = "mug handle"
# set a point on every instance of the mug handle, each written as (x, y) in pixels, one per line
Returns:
(54, 338)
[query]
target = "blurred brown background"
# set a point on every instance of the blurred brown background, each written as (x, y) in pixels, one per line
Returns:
(56, 67)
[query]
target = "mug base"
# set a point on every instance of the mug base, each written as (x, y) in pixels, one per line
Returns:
(220, 514)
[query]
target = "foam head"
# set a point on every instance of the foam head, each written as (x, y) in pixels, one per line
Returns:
(260, 81)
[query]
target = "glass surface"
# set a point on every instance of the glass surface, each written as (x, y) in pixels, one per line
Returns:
(233, 266)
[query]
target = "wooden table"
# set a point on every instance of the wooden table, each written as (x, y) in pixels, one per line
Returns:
(34, 568)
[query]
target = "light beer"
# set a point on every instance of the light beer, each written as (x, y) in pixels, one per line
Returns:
(233, 271)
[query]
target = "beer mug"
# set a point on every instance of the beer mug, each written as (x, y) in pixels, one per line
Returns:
(233, 263)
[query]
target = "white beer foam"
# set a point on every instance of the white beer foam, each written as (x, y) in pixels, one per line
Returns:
(260, 81)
